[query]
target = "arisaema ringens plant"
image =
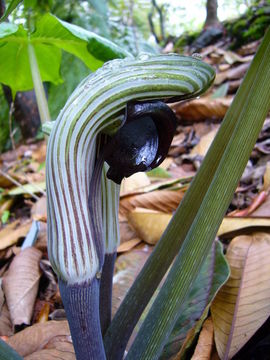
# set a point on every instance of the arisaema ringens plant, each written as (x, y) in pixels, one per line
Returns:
(119, 114)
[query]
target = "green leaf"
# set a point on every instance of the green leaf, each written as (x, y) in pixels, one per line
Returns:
(15, 67)
(92, 49)
(5, 216)
(29, 4)
(13, 4)
(213, 274)
(159, 172)
(7, 353)
(41, 166)
(50, 37)
(221, 91)
(28, 188)
(58, 94)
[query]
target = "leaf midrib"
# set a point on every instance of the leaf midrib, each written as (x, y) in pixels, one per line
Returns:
(39, 40)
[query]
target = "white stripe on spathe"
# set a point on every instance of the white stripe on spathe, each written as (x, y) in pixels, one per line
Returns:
(95, 104)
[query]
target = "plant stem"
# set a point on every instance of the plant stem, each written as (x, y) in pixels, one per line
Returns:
(106, 291)
(38, 86)
(81, 303)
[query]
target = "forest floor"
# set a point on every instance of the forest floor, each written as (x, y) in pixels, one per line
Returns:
(32, 318)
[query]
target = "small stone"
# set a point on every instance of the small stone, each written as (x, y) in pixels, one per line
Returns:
(98, 275)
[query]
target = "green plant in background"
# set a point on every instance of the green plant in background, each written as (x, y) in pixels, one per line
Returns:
(51, 35)
(99, 16)
(251, 25)
(40, 41)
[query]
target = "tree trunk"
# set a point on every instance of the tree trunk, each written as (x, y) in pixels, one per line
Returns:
(25, 111)
(159, 10)
(2, 8)
(211, 14)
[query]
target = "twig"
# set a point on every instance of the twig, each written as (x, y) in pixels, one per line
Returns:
(33, 184)
(15, 182)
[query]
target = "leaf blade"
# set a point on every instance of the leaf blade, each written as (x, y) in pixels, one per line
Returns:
(92, 49)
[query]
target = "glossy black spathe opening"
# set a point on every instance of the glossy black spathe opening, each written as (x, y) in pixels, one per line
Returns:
(142, 142)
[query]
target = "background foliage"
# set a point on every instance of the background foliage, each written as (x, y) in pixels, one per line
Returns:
(126, 22)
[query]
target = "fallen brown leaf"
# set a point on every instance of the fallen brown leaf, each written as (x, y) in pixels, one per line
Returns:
(242, 304)
(237, 72)
(39, 153)
(163, 200)
(183, 171)
(5, 322)
(62, 353)
(5, 181)
(20, 285)
(128, 245)
(127, 268)
(126, 232)
(134, 183)
(257, 201)
(41, 242)
(232, 57)
(161, 184)
(12, 232)
(234, 85)
(205, 343)
(43, 315)
(6, 205)
(205, 142)
(249, 48)
(39, 209)
(232, 224)
(30, 178)
(191, 336)
(204, 108)
(2, 296)
(35, 337)
(266, 177)
(178, 139)
(203, 128)
(148, 224)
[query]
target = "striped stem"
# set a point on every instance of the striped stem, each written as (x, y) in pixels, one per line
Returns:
(82, 310)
